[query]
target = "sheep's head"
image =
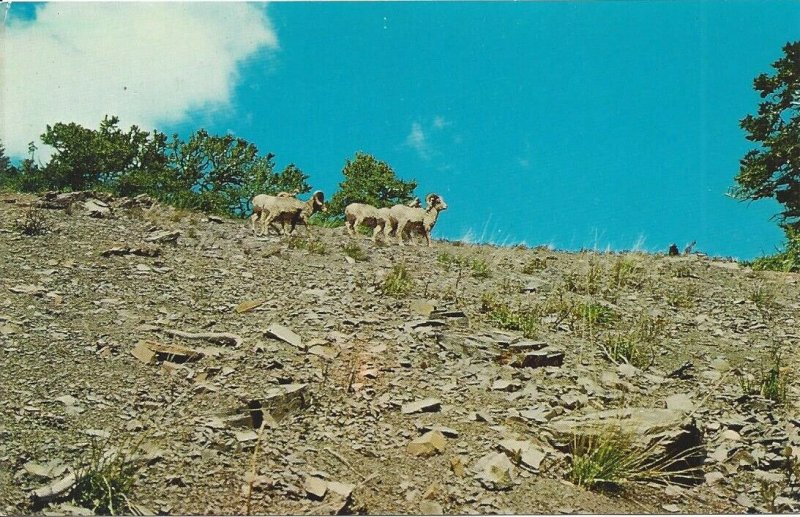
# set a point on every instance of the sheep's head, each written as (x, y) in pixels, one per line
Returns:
(436, 201)
(319, 202)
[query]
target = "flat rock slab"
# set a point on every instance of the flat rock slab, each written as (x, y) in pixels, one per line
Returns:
(452, 317)
(163, 236)
(528, 454)
(680, 402)
(97, 208)
(277, 403)
(422, 307)
(526, 346)
(324, 351)
(248, 305)
(539, 358)
(55, 489)
(52, 469)
(315, 487)
(150, 351)
(427, 405)
(423, 325)
(666, 434)
(636, 421)
(429, 444)
(430, 508)
(506, 385)
(495, 471)
(119, 251)
(285, 334)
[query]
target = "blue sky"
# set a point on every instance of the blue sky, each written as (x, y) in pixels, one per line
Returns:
(575, 124)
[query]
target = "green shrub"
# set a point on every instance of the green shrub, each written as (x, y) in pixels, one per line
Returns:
(503, 316)
(593, 314)
(772, 383)
(635, 344)
(355, 252)
(322, 220)
(398, 282)
(32, 223)
(787, 261)
(587, 283)
(533, 265)
(480, 269)
(627, 271)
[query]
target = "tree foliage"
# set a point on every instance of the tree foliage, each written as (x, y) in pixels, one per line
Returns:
(371, 181)
(211, 172)
(107, 158)
(8, 173)
(206, 172)
(773, 168)
(5, 161)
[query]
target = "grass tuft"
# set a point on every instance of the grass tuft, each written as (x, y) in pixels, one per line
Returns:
(772, 383)
(594, 314)
(104, 484)
(355, 252)
(627, 271)
(503, 316)
(398, 282)
(480, 269)
(32, 223)
(611, 458)
(635, 344)
(534, 265)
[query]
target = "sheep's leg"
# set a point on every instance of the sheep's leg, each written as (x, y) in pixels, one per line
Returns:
(401, 228)
(348, 224)
(269, 222)
(375, 232)
(253, 219)
(358, 223)
(262, 218)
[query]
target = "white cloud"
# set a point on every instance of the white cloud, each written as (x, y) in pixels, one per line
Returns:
(419, 137)
(417, 140)
(148, 63)
(440, 122)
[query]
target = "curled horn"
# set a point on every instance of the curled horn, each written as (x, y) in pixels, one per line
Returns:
(429, 199)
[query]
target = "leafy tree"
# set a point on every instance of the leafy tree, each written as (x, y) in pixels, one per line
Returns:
(773, 169)
(371, 181)
(108, 158)
(5, 161)
(291, 179)
(28, 176)
(216, 173)
(8, 173)
(265, 181)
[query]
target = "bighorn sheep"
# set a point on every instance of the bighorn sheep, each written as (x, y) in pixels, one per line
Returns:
(284, 208)
(404, 218)
(356, 214)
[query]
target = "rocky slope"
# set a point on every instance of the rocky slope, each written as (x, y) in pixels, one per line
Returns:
(277, 375)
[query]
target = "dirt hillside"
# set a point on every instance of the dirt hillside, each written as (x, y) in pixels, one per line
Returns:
(306, 374)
